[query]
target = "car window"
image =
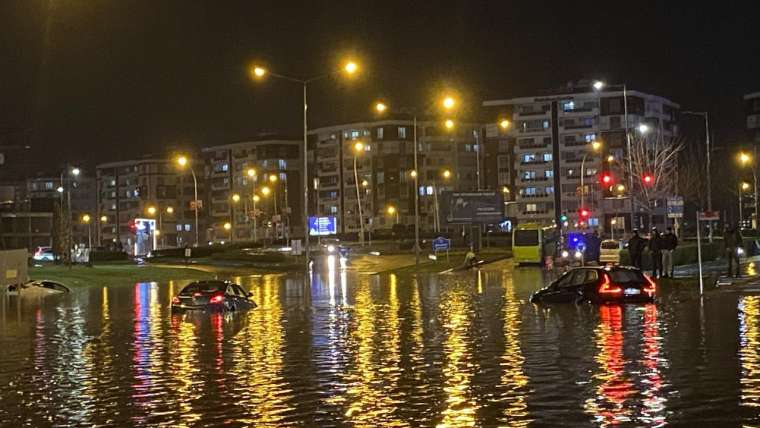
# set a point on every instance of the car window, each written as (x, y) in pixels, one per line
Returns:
(565, 279)
(240, 290)
(610, 245)
(203, 287)
(232, 290)
(625, 275)
(591, 276)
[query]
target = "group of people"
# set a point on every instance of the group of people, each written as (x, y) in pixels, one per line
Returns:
(661, 247)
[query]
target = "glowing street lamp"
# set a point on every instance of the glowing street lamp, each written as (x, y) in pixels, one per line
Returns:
(86, 220)
(170, 210)
(258, 72)
(235, 198)
(643, 128)
(449, 124)
(598, 85)
(266, 191)
(103, 219)
(446, 174)
(151, 210)
(448, 102)
(504, 124)
(380, 107)
(358, 149)
(251, 172)
(183, 162)
(393, 211)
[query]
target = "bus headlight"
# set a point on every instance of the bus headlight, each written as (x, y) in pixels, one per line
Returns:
(565, 254)
(578, 254)
(740, 251)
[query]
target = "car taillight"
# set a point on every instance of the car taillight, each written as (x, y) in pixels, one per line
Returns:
(651, 286)
(175, 300)
(217, 298)
(608, 287)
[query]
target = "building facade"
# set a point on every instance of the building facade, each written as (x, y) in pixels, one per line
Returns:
(379, 171)
(271, 169)
(752, 113)
(154, 189)
(553, 138)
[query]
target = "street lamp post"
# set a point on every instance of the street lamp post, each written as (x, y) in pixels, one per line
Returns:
(255, 220)
(595, 146)
(235, 200)
(86, 219)
(358, 148)
(259, 72)
(182, 161)
(253, 177)
(70, 172)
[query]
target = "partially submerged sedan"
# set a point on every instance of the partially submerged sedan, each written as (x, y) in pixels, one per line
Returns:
(598, 285)
(214, 296)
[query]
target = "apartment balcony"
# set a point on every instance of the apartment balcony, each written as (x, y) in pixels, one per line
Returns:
(534, 162)
(534, 179)
(535, 196)
(529, 146)
(533, 113)
(537, 212)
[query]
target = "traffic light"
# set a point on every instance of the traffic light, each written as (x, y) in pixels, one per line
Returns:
(606, 179)
(648, 179)
(583, 214)
(563, 218)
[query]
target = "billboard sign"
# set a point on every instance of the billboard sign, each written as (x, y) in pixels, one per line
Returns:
(675, 207)
(322, 226)
(477, 207)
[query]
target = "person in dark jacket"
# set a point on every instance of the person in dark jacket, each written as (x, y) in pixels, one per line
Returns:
(733, 240)
(655, 250)
(593, 244)
(669, 244)
(635, 247)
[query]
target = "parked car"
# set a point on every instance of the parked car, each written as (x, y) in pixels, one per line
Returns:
(43, 254)
(598, 285)
(216, 296)
(609, 251)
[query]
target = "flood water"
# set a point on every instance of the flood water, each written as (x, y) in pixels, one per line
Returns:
(449, 350)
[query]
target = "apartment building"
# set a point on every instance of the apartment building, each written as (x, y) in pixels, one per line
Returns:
(552, 137)
(151, 188)
(276, 166)
(384, 163)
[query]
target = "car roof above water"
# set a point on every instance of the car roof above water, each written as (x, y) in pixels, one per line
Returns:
(205, 286)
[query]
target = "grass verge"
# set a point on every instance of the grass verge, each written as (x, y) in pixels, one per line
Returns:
(114, 274)
(455, 260)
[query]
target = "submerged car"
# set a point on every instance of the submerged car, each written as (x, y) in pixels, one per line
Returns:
(598, 285)
(215, 296)
(44, 254)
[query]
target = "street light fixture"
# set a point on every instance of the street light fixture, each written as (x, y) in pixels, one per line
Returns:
(393, 211)
(380, 107)
(449, 124)
(86, 220)
(183, 162)
(595, 146)
(350, 68)
(504, 124)
(448, 102)
(643, 128)
(103, 219)
(358, 149)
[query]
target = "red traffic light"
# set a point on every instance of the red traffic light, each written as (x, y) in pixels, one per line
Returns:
(648, 179)
(606, 179)
(583, 213)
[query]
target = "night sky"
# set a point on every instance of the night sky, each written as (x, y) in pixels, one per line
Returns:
(107, 80)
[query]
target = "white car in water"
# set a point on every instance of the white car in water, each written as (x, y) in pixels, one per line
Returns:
(609, 252)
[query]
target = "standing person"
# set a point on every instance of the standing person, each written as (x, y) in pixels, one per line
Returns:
(592, 247)
(635, 248)
(655, 250)
(670, 242)
(732, 239)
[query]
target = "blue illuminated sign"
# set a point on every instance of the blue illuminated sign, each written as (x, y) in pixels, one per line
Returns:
(322, 226)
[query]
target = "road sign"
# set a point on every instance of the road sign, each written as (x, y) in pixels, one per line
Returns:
(484, 207)
(441, 244)
(708, 215)
(675, 207)
(322, 226)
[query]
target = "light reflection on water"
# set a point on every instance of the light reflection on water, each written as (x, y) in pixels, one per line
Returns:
(450, 350)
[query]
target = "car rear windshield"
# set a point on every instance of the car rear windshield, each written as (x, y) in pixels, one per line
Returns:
(625, 275)
(526, 237)
(204, 287)
(610, 245)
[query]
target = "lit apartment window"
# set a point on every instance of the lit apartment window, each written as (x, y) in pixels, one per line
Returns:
(529, 157)
(568, 105)
(354, 135)
(379, 133)
(531, 208)
(549, 190)
(528, 175)
(589, 137)
(549, 173)
(401, 132)
(529, 191)
(188, 227)
(547, 157)
(333, 209)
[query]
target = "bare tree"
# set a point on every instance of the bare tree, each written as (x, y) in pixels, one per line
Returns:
(692, 183)
(654, 167)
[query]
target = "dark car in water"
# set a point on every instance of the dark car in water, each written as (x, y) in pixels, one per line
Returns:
(598, 285)
(216, 296)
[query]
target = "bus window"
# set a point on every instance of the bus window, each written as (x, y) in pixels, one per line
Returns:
(526, 238)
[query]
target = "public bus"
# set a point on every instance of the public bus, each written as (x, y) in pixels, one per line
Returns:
(531, 242)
